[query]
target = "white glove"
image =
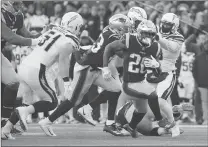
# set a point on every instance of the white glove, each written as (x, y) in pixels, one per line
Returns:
(152, 63)
(37, 40)
(106, 73)
(67, 89)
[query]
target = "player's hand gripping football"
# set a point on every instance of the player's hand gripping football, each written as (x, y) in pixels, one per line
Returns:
(152, 63)
(106, 73)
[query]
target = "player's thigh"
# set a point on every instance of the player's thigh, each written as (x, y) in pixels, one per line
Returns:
(165, 88)
(8, 74)
(26, 93)
(141, 105)
(39, 81)
(80, 85)
(114, 84)
(123, 99)
(139, 89)
(189, 88)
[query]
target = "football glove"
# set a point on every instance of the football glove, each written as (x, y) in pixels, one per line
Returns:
(151, 63)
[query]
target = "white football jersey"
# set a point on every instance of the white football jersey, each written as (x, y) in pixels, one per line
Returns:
(20, 52)
(170, 57)
(187, 59)
(47, 51)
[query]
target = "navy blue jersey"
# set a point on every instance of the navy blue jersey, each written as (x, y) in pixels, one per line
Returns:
(14, 22)
(134, 69)
(95, 59)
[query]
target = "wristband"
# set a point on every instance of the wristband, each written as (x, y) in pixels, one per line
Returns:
(34, 42)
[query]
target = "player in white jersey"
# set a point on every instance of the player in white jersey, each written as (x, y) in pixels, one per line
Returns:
(186, 79)
(20, 52)
(37, 70)
(170, 41)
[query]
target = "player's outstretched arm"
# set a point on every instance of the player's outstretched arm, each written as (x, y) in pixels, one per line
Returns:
(114, 48)
(171, 45)
(25, 33)
(15, 39)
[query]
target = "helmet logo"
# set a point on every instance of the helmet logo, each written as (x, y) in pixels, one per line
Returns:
(73, 18)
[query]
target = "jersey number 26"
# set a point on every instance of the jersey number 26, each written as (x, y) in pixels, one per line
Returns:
(133, 65)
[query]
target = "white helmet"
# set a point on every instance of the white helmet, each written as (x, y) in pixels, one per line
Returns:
(119, 23)
(136, 15)
(146, 32)
(169, 23)
(73, 22)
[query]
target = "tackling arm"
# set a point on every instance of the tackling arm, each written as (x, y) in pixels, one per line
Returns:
(170, 45)
(25, 33)
(116, 47)
(13, 38)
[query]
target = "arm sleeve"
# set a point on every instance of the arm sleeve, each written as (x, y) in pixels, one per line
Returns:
(13, 38)
(25, 33)
(71, 66)
(112, 49)
(170, 45)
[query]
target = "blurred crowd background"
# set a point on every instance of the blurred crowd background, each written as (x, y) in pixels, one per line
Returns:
(96, 14)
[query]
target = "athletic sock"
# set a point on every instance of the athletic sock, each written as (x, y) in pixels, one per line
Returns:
(101, 98)
(9, 98)
(136, 118)
(13, 118)
(44, 106)
(64, 107)
(112, 103)
(154, 106)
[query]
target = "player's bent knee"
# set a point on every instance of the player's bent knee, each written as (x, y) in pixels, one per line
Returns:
(153, 95)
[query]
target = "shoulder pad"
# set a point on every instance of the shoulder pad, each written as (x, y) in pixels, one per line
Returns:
(176, 37)
(75, 40)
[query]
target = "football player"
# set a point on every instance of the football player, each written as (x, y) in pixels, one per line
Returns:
(171, 42)
(186, 79)
(138, 51)
(88, 70)
(146, 127)
(136, 15)
(12, 24)
(36, 71)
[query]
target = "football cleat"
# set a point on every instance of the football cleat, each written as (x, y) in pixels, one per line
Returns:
(22, 115)
(175, 131)
(164, 123)
(6, 136)
(46, 126)
(133, 132)
(113, 129)
(183, 107)
(16, 131)
(85, 112)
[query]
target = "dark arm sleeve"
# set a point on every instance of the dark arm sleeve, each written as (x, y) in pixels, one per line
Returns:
(71, 66)
(13, 38)
(195, 69)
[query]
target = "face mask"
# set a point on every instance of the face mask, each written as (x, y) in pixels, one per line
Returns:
(166, 27)
(147, 41)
